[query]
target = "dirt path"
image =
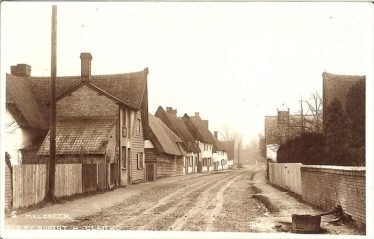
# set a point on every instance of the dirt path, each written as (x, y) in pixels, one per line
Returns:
(197, 204)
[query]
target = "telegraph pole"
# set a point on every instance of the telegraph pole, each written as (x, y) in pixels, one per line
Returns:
(52, 130)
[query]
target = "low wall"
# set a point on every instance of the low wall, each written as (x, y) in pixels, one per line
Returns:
(328, 186)
(286, 175)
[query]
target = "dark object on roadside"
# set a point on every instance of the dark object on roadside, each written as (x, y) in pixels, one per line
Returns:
(310, 223)
(306, 223)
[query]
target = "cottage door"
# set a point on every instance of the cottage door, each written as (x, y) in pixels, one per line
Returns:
(124, 167)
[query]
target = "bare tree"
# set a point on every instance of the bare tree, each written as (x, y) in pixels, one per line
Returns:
(227, 134)
(11, 127)
(315, 109)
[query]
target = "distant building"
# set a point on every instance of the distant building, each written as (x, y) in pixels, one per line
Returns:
(220, 159)
(284, 126)
(189, 143)
(199, 128)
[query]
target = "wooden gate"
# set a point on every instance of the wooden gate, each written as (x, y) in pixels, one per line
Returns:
(89, 177)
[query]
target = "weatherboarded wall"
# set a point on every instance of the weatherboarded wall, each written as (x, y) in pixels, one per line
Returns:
(286, 175)
(29, 184)
(168, 166)
(137, 146)
(328, 186)
(68, 179)
(8, 187)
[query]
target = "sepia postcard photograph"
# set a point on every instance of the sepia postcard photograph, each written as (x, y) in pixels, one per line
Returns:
(187, 119)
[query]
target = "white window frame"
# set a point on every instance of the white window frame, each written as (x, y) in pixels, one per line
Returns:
(140, 163)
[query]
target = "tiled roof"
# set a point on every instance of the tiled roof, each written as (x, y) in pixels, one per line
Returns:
(32, 94)
(178, 126)
(80, 136)
(167, 141)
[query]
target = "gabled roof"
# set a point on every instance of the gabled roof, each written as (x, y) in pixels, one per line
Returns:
(198, 125)
(31, 95)
(80, 136)
(219, 145)
(178, 126)
(163, 138)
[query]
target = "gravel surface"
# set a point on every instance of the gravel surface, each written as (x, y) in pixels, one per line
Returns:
(217, 202)
(229, 201)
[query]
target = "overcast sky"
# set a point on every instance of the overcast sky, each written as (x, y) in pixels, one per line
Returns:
(232, 62)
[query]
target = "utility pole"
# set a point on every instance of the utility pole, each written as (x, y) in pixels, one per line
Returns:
(239, 146)
(52, 130)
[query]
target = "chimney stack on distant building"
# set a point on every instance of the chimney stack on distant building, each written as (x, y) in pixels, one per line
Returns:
(171, 111)
(216, 134)
(85, 66)
(23, 70)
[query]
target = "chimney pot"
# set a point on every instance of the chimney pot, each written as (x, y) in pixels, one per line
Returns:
(21, 70)
(86, 58)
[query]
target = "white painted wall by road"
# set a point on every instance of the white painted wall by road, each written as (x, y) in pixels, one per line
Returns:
(271, 152)
(14, 138)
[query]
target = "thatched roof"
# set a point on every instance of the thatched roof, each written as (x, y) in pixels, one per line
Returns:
(163, 138)
(80, 136)
(178, 126)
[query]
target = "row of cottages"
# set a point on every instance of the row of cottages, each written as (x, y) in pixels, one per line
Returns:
(164, 153)
(102, 123)
(203, 151)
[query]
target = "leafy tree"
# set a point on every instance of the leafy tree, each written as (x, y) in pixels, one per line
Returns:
(355, 109)
(307, 148)
(336, 133)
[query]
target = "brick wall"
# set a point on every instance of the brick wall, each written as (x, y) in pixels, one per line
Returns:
(8, 188)
(329, 186)
(86, 102)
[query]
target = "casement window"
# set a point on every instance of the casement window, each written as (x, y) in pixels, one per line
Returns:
(137, 126)
(140, 160)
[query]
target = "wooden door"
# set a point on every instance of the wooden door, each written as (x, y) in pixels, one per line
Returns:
(150, 172)
(124, 166)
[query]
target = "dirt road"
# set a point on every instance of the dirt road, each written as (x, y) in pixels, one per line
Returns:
(214, 202)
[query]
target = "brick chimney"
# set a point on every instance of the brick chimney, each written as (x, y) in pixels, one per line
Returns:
(197, 113)
(216, 134)
(86, 58)
(171, 111)
(21, 70)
